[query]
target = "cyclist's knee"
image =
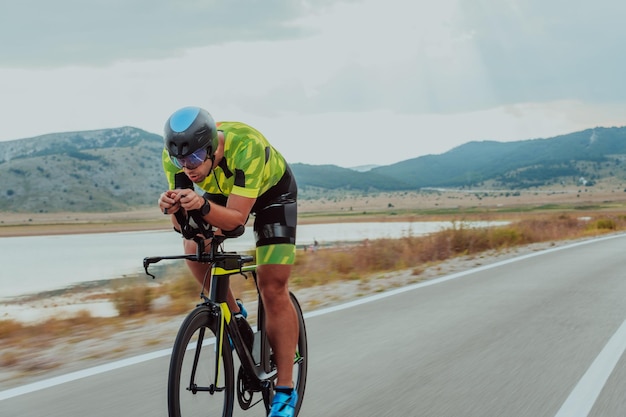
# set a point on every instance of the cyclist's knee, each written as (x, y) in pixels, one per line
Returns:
(273, 280)
(189, 246)
(198, 270)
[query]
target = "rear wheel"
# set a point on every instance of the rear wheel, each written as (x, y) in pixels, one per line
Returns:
(301, 358)
(193, 387)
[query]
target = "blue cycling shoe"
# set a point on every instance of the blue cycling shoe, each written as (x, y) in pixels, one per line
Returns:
(242, 309)
(284, 405)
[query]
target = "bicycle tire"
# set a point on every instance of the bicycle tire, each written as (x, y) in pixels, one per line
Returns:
(301, 366)
(196, 395)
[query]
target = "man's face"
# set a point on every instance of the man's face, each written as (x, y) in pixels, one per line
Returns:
(196, 165)
(200, 172)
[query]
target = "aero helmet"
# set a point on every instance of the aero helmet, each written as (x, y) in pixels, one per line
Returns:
(190, 129)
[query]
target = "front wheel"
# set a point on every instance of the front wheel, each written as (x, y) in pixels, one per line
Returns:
(198, 383)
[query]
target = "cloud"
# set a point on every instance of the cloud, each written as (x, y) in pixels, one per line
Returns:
(451, 57)
(427, 75)
(539, 51)
(40, 33)
(399, 55)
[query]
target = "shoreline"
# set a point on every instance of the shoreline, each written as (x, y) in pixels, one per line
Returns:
(441, 205)
(47, 227)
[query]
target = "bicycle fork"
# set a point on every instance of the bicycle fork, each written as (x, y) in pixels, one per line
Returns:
(224, 317)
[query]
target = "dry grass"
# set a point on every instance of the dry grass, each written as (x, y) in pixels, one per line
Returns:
(359, 261)
(176, 294)
(179, 293)
(355, 262)
(43, 336)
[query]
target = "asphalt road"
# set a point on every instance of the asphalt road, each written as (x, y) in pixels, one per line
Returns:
(541, 335)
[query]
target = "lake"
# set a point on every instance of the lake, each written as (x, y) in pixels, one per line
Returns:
(40, 263)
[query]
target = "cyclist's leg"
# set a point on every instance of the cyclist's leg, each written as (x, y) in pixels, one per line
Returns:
(202, 274)
(281, 321)
(199, 270)
(275, 230)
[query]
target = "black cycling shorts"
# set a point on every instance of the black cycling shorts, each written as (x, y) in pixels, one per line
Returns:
(276, 218)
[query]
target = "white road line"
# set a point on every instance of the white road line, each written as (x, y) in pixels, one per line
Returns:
(584, 395)
(456, 275)
(62, 379)
(73, 376)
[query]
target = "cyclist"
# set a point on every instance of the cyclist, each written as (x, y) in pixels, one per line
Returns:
(239, 173)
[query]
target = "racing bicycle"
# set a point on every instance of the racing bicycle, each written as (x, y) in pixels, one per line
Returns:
(201, 379)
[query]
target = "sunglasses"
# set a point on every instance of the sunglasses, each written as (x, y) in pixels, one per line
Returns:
(191, 161)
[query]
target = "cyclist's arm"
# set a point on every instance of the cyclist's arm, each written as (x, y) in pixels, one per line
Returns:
(235, 213)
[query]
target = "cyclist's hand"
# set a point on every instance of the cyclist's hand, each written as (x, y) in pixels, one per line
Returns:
(168, 202)
(189, 199)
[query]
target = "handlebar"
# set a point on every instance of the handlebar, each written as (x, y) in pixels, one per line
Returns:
(193, 227)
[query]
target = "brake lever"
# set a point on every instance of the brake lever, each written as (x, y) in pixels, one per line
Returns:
(146, 264)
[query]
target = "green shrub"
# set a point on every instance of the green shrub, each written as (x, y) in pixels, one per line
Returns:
(603, 224)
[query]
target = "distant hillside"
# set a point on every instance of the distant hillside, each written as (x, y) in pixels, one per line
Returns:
(519, 164)
(120, 169)
(364, 168)
(333, 177)
(591, 154)
(100, 170)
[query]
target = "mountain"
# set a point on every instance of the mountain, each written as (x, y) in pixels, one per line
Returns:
(517, 164)
(120, 169)
(364, 168)
(100, 170)
(333, 177)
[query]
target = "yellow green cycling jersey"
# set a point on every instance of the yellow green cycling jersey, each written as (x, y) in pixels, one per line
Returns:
(249, 168)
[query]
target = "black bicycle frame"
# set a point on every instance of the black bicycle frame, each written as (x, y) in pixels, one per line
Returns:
(262, 368)
(225, 264)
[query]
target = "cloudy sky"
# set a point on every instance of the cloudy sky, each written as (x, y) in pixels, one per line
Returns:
(345, 82)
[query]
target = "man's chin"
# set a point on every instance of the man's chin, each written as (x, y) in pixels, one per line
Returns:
(196, 178)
